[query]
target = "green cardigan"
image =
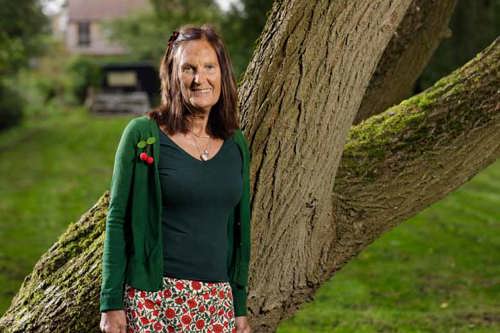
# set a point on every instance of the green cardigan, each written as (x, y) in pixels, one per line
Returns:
(133, 249)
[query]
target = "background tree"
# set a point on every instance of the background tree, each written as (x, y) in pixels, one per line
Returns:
(322, 189)
(473, 26)
(22, 25)
(241, 28)
(146, 32)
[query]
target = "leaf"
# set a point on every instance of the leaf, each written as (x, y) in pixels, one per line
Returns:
(151, 140)
(141, 144)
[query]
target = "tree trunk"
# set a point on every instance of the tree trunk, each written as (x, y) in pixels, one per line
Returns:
(300, 95)
(393, 165)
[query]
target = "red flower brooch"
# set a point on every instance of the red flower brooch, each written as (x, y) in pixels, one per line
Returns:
(145, 155)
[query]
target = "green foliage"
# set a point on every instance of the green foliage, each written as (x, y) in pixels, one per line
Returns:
(44, 94)
(47, 86)
(474, 25)
(21, 25)
(11, 107)
(22, 29)
(146, 33)
(241, 28)
(84, 72)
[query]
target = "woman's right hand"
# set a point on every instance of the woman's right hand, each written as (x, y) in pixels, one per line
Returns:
(113, 321)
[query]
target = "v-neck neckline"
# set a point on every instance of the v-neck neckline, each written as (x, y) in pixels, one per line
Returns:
(188, 154)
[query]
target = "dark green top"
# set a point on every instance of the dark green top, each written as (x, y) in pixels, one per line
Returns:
(133, 242)
(197, 198)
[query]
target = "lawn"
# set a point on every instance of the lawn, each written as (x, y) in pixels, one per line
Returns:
(437, 272)
(53, 170)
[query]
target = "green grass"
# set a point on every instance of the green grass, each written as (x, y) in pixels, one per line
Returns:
(437, 272)
(53, 170)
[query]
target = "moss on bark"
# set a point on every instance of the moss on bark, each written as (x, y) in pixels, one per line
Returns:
(440, 114)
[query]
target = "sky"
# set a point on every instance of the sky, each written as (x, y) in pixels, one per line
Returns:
(53, 6)
(224, 4)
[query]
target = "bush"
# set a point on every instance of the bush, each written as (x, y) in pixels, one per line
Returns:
(11, 107)
(84, 73)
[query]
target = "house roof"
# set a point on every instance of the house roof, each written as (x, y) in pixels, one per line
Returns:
(79, 10)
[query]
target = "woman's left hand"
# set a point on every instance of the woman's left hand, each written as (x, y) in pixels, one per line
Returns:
(242, 325)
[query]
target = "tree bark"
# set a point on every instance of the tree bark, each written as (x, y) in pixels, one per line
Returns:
(393, 165)
(449, 133)
(321, 189)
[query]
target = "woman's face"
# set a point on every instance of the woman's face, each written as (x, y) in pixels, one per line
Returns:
(199, 73)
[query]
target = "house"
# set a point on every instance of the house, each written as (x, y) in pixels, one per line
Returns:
(84, 33)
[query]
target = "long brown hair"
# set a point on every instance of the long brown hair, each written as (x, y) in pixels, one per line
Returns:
(173, 113)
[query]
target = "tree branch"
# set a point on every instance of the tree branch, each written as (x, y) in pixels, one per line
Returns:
(414, 154)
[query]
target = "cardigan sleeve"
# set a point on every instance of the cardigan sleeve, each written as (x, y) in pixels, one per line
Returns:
(114, 256)
(240, 291)
(239, 299)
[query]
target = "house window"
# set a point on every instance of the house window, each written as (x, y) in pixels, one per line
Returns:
(83, 33)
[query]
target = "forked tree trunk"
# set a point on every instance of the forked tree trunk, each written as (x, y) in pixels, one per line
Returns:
(393, 165)
(322, 190)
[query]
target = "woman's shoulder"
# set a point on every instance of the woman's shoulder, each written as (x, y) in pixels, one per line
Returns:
(241, 136)
(143, 120)
(241, 140)
(237, 134)
(139, 123)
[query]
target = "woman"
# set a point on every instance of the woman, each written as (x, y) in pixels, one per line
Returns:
(177, 242)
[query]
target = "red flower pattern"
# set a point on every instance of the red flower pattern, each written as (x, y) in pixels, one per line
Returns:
(200, 323)
(181, 306)
(149, 304)
(191, 302)
(158, 326)
(170, 313)
(196, 285)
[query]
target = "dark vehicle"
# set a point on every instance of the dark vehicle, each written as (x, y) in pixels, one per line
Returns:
(125, 88)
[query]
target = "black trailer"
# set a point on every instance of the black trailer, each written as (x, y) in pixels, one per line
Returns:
(126, 88)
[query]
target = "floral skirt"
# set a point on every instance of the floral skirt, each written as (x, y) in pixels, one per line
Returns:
(181, 306)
